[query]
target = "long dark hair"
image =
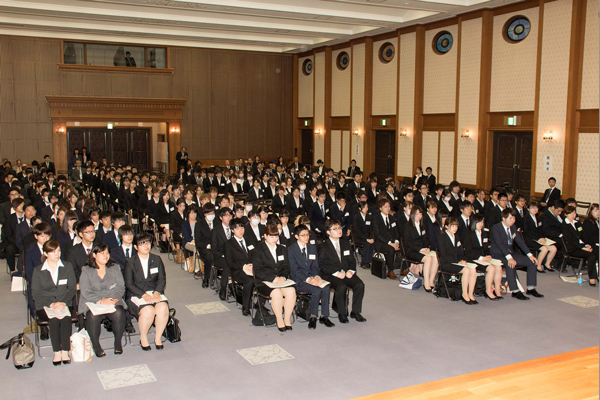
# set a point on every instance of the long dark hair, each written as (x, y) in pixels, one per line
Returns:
(590, 216)
(439, 218)
(475, 219)
(413, 214)
(98, 248)
(49, 247)
(69, 215)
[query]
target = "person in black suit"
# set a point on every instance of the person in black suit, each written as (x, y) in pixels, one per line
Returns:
(590, 227)
(67, 235)
(111, 238)
(418, 178)
(476, 243)
(304, 270)
(221, 233)
(270, 264)
(464, 221)
(255, 193)
(430, 179)
(53, 285)
(352, 169)
(181, 157)
(386, 235)
(126, 250)
(338, 266)
(479, 203)
(495, 214)
(279, 200)
(453, 260)
(23, 237)
(49, 165)
(78, 254)
(294, 204)
(33, 257)
(573, 235)
(416, 245)
(203, 237)
(356, 185)
(362, 233)
(176, 220)
(9, 232)
(233, 186)
(422, 197)
(318, 212)
(532, 233)
(551, 194)
(239, 260)
(551, 222)
(504, 237)
(494, 192)
(145, 279)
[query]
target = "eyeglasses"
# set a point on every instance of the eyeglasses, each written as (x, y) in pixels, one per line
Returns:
(88, 232)
(304, 235)
(147, 243)
(337, 228)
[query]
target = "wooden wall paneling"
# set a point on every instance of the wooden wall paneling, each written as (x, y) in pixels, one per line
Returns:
(288, 121)
(457, 99)
(174, 140)
(60, 145)
(588, 121)
(536, 114)
(574, 97)
(485, 84)
(439, 122)
(296, 129)
(220, 71)
(419, 89)
(369, 135)
(327, 105)
(497, 120)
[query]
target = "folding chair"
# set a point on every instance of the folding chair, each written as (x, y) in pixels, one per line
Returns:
(215, 284)
(74, 319)
(570, 260)
(405, 260)
(441, 275)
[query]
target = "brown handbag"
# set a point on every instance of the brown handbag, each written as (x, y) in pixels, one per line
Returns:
(179, 256)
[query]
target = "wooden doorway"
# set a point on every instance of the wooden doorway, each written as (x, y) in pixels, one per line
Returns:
(385, 159)
(307, 146)
(119, 146)
(513, 154)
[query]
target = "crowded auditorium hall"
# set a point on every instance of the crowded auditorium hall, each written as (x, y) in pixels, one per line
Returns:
(198, 196)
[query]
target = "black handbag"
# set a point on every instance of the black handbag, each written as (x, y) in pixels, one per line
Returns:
(303, 307)
(378, 266)
(172, 332)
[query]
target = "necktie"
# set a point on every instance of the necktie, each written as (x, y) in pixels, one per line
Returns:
(228, 233)
(21, 219)
(127, 253)
(118, 241)
(243, 247)
(304, 254)
(87, 251)
(387, 222)
(337, 250)
(509, 236)
(467, 222)
(521, 212)
(323, 210)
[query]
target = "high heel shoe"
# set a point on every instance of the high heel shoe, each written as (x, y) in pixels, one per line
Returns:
(145, 348)
(159, 346)
(281, 329)
(592, 284)
(288, 328)
(468, 302)
(490, 298)
(101, 354)
(66, 362)
(428, 290)
(57, 363)
(118, 352)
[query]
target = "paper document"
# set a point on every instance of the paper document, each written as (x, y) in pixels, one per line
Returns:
(140, 302)
(548, 242)
(493, 262)
(99, 309)
(287, 283)
(52, 313)
(470, 265)
(17, 284)
(323, 284)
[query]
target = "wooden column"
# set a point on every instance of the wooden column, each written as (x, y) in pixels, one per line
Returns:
(59, 139)
(419, 89)
(536, 110)
(369, 138)
(296, 137)
(174, 134)
(485, 87)
(327, 137)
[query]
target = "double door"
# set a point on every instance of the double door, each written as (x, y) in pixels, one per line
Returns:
(385, 158)
(119, 146)
(513, 155)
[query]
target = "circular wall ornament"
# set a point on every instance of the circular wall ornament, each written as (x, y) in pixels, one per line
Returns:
(516, 29)
(307, 67)
(343, 60)
(442, 42)
(386, 52)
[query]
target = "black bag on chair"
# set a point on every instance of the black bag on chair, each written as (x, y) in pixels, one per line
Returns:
(172, 332)
(454, 292)
(303, 307)
(479, 286)
(378, 266)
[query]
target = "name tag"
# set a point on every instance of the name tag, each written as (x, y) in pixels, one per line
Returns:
(347, 215)
(114, 285)
(393, 224)
(154, 270)
(540, 223)
(312, 242)
(486, 229)
(458, 244)
(346, 252)
(251, 247)
(485, 240)
(326, 211)
(422, 232)
(172, 208)
(579, 229)
(367, 222)
(312, 257)
(279, 258)
(476, 211)
(62, 281)
(222, 184)
(513, 235)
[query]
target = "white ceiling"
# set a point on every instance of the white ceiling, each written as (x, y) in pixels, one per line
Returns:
(280, 26)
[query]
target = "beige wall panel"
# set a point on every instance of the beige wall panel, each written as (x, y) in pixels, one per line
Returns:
(446, 173)
(468, 102)
(305, 90)
(513, 66)
(336, 150)
(553, 90)
(587, 168)
(406, 104)
(358, 101)
(591, 71)
(384, 81)
(340, 86)
(429, 157)
(439, 95)
(346, 138)
(319, 119)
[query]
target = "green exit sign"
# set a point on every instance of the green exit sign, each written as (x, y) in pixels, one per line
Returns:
(512, 121)
(383, 122)
(305, 123)
(109, 126)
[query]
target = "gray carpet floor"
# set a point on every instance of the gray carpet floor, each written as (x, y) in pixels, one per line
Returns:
(410, 337)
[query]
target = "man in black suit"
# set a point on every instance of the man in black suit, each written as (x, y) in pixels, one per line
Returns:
(111, 238)
(551, 194)
(422, 197)
(495, 214)
(430, 179)
(494, 192)
(42, 232)
(78, 254)
(239, 260)
(357, 185)
(181, 157)
(504, 237)
(464, 221)
(49, 165)
(233, 187)
(304, 270)
(352, 169)
(479, 203)
(386, 235)
(221, 233)
(296, 165)
(552, 221)
(338, 266)
(9, 232)
(6, 207)
(126, 250)
(255, 193)
(318, 213)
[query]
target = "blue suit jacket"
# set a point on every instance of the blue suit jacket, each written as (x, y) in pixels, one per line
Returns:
(500, 248)
(33, 258)
(299, 268)
(110, 239)
(118, 255)
(186, 231)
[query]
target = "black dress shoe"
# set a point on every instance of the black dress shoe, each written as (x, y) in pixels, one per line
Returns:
(592, 284)
(145, 348)
(535, 293)
(159, 346)
(118, 351)
(130, 328)
(246, 312)
(222, 295)
(428, 291)
(520, 296)
(549, 269)
(57, 363)
(204, 284)
(542, 271)
(358, 317)
(468, 302)
(44, 333)
(343, 319)
(490, 298)
(100, 354)
(281, 329)
(327, 322)
(288, 328)
(474, 302)
(312, 323)
(66, 362)
(365, 266)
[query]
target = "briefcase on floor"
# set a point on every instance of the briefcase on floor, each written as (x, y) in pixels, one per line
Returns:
(378, 267)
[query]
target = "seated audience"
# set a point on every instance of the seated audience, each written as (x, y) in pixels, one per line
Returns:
(416, 245)
(363, 234)
(572, 231)
(534, 238)
(385, 232)
(239, 260)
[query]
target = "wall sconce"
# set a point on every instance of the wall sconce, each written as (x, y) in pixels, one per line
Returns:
(174, 130)
(548, 135)
(403, 133)
(465, 134)
(318, 132)
(60, 131)
(356, 132)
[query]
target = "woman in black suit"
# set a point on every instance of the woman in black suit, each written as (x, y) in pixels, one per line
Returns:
(590, 227)
(416, 245)
(203, 237)
(177, 218)
(362, 231)
(54, 285)
(145, 279)
(67, 235)
(270, 264)
(161, 213)
(572, 232)
(294, 204)
(287, 231)
(450, 253)
(436, 228)
(477, 248)
(188, 231)
(372, 192)
(279, 200)
(532, 231)
(86, 158)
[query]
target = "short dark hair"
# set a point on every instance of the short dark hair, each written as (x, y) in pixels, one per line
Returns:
(236, 223)
(142, 238)
(222, 211)
(507, 212)
(475, 219)
(331, 222)
(124, 230)
(117, 216)
(98, 248)
(558, 204)
(552, 179)
(83, 225)
(569, 210)
(42, 228)
(502, 195)
(300, 228)
(465, 204)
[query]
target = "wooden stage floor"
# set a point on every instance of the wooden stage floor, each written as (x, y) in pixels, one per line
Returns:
(572, 375)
